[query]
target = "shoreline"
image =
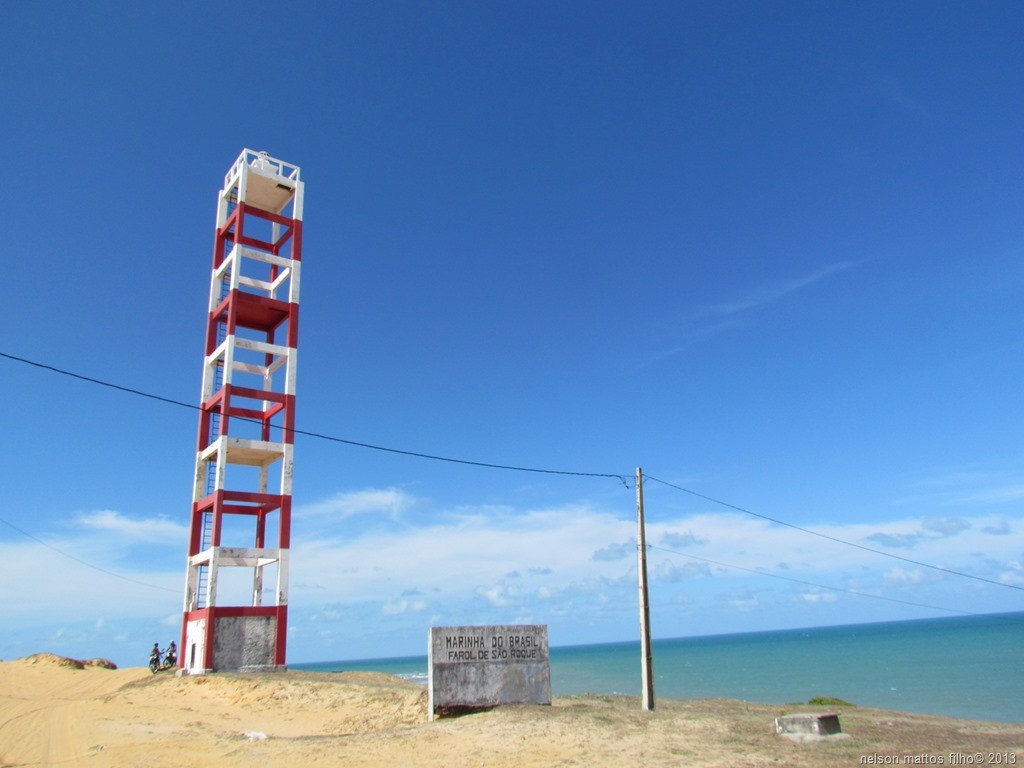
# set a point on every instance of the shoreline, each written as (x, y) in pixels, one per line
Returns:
(51, 712)
(924, 666)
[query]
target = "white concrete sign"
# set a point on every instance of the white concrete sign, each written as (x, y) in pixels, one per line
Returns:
(484, 666)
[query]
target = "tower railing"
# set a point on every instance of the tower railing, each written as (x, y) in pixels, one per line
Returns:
(263, 163)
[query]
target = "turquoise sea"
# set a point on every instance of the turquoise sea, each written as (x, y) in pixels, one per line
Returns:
(969, 667)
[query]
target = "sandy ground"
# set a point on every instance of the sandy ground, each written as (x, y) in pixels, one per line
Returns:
(54, 713)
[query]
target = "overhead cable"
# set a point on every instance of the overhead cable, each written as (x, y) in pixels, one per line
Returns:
(834, 538)
(811, 583)
(624, 479)
(317, 435)
(83, 562)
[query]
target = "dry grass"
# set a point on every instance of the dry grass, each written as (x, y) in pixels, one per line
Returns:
(57, 712)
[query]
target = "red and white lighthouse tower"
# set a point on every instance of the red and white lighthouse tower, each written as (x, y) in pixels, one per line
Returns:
(236, 589)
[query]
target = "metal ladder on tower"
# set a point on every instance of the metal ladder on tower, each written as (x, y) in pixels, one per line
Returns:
(211, 467)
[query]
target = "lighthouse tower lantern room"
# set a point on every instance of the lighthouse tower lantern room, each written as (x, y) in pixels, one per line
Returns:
(236, 587)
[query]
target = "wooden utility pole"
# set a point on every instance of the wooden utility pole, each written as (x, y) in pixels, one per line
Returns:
(646, 668)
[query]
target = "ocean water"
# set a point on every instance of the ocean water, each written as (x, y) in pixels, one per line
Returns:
(969, 667)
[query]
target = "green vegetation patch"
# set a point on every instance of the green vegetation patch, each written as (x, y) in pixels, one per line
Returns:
(829, 701)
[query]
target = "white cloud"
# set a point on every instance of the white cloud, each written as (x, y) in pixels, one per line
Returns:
(1015, 575)
(495, 595)
(945, 526)
(901, 575)
(771, 292)
(680, 540)
(1002, 528)
(744, 603)
(968, 487)
(895, 540)
(616, 551)
(153, 529)
(388, 502)
(818, 597)
(492, 563)
(69, 590)
(542, 545)
(668, 571)
(714, 319)
(397, 607)
(1013, 492)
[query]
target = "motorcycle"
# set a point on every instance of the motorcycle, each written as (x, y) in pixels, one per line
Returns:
(160, 662)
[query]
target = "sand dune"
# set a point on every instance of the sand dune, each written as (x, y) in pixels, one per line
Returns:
(55, 711)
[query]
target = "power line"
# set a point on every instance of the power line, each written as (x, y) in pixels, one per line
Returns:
(83, 562)
(621, 478)
(317, 435)
(835, 539)
(624, 479)
(811, 583)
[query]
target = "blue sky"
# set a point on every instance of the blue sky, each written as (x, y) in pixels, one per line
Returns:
(770, 253)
